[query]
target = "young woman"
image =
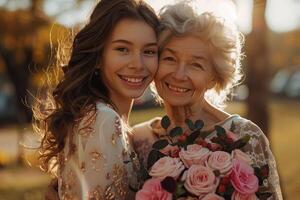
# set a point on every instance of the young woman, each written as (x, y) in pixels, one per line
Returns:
(199, 64)
(83, 122)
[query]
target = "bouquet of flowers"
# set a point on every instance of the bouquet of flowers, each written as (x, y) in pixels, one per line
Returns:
(189, 166)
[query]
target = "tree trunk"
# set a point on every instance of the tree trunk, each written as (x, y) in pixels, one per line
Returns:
(258, 68)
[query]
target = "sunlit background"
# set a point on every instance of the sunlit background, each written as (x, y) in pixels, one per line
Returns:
(272, 82)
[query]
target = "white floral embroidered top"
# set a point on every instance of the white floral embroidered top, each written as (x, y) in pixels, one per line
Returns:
(258, 147)
(99, 162)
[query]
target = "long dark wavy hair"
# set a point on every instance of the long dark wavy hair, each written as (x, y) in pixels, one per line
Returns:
(76, 94)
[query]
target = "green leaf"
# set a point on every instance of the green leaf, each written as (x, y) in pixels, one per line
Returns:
(192, 137)
(263, 195)
(240, 143)
(160, 144)
(190, 124)
(176, 131)
(180, 190)
(169, 184)
(154, 156)
(221, 132)
(199, 124)
(165, 122)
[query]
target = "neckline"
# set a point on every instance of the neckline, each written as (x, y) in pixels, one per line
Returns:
(159, 130)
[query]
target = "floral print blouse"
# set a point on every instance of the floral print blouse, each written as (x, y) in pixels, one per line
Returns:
(98, 162)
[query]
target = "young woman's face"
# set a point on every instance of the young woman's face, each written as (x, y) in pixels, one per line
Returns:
(185, 71)
(130, 59)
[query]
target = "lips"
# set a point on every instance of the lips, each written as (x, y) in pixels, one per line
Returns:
(134, 80)
(177, 89)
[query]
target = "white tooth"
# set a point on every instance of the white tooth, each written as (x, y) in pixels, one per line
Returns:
(177, 89)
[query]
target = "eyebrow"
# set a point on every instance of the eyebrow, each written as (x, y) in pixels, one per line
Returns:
(130, 43)
(194, 56)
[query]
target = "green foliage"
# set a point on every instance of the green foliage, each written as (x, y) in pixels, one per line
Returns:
(160, 144)
(190, 124)
(165, 122)
(176, 131)
(154, 156)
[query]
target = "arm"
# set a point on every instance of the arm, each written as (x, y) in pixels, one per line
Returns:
(259, 150)
(99, 168)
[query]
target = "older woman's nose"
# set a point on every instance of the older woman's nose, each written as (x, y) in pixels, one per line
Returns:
(180, 73)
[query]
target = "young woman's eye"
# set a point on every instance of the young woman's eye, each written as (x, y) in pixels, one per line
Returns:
(122, 49)
(150, 52)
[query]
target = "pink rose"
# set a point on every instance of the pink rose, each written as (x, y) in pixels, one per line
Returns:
(242, 178)
(232, 136)
(200, 180)
(152, 190)
(170, 150)
(166, 166)
(220, 160)
(195, 154)
(238, 196)
(212, 196)
(239, 155)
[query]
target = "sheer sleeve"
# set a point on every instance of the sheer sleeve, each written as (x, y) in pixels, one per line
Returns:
(259, 150)
(98, 169)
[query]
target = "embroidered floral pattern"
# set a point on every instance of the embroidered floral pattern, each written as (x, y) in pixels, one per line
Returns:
(100, 166)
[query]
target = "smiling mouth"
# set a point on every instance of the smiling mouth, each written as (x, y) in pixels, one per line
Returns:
(133, 80)
(177, 89)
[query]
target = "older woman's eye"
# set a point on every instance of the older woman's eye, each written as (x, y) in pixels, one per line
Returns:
(198, 66)
(168, 58)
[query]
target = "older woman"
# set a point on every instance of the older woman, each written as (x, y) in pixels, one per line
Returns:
(199, 64)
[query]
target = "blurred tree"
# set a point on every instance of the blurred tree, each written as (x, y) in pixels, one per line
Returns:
(258, 68)
(18, 49)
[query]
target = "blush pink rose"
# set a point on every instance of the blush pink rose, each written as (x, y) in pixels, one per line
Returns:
(167, 166)
(239, 155)
(222, 161)
(200, 180)
(232, 136)
(195, 154)
(242, 178)
(212, 196)
(152, 190)
(238, 196)
(170, 150)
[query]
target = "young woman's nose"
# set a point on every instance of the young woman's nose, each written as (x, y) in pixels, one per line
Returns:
(137, 61)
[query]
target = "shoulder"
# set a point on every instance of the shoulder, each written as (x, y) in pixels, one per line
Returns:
(243, 126)
(104, 110)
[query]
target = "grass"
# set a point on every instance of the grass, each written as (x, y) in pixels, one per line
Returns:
(29, 183)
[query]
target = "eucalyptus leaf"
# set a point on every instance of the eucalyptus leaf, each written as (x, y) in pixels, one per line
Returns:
(190, 124)
(180, 190)
(176, 131)
(165, 122)
(160, 144)
(220, 131)
(153, 156)
(240, 143)
(199, 124)
(169, 184)
(192, 137)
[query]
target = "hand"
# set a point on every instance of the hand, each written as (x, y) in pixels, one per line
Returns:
(52, 190)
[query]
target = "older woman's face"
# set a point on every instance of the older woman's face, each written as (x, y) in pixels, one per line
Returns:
(185, 71)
